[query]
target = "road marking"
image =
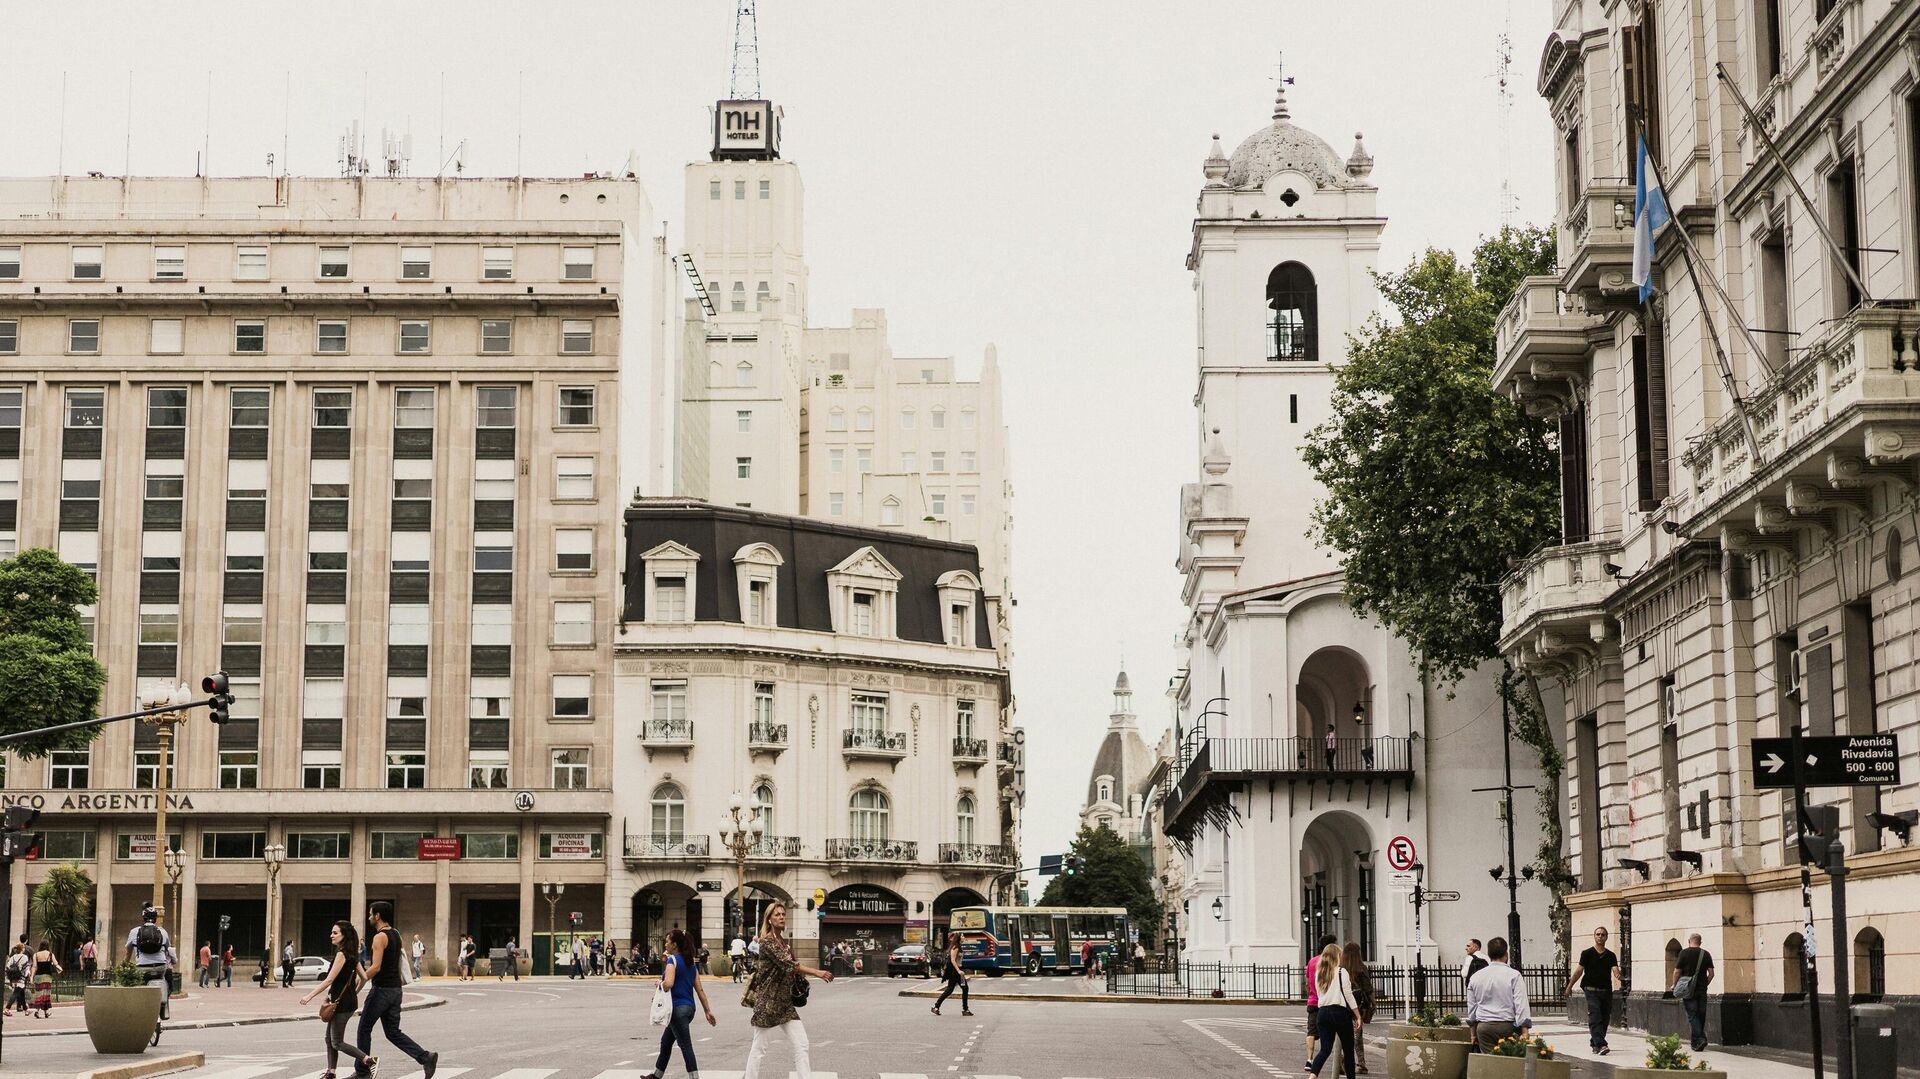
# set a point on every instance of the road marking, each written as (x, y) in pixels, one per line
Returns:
(523, 1073)
(438, 1073)
(246, 1071)
(1202, 1025)
(464, 992)
(621, 1073)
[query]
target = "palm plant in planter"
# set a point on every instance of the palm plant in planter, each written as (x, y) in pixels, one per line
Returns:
(122, 1013)
(1665, 1055)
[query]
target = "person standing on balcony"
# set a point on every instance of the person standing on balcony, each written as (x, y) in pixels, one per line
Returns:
(1333, 746)
(1597, 974)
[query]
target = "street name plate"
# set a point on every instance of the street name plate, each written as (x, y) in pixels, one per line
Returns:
(1844, 760)
(1443, 897)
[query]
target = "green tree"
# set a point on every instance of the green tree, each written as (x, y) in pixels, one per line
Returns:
(1112, 875)
(62, 906)
(48, 674)
(1435, 483)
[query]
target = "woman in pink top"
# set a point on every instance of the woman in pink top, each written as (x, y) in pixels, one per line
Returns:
(1313, 1000)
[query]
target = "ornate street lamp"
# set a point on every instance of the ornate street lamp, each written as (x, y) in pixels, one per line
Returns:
(273, 855)
(552, 891)
(741, 834)
(176, 863)
(175, 701)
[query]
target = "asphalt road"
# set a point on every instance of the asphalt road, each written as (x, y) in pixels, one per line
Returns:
(860, 1028)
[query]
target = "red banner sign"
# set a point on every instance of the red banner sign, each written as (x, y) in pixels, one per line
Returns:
(444, 848)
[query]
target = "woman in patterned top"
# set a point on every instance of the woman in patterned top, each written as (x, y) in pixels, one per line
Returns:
(770, 993)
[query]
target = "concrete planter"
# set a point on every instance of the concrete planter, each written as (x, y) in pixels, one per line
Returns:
(120, 1019)
(1663, 1073)
(1488, 1066)
(1426, 1060)
(1410, 1032)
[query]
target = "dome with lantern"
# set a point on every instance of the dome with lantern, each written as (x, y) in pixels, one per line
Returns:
(1284, 146)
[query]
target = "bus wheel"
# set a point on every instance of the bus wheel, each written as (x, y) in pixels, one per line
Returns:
(1033, 965)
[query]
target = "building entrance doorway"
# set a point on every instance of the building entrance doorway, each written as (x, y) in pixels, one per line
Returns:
(1338, 871)
(316, 923)
(492, 922)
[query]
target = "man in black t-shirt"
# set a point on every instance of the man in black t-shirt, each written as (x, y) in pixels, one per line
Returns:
(1597, 974)
(1696, 965)
(384, 985)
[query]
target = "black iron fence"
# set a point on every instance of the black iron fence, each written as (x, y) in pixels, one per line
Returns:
(1398, 991)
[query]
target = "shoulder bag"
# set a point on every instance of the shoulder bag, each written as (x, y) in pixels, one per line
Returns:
(1682, 986)
(801, 989)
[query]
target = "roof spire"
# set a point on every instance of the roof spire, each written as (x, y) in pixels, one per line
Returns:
(1281, 81)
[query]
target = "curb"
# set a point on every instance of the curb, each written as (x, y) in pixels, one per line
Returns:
(205, 1024)
(1107, 998)
(176, 1062)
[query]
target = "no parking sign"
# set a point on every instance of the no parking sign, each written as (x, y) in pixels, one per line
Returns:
(1401, 854)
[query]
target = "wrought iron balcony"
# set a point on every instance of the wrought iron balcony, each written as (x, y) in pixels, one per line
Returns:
(1553, 601)
(975, 854)
(1008, 756)
(1214, 767)
(764, 737)
(776, 846)
(877, 851)
(666, 734)
(673, 847)
(1541, 346)
(972, 750)
(881, 745)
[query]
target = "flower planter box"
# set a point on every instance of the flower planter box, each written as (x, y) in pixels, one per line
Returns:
(120, 1019)
(1664, 1073)
(1409, 1032)
(1488, 1066)
(1426, 1060)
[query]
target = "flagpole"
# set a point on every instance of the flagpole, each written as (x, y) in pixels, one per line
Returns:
(1760, 130)
(1687, 256)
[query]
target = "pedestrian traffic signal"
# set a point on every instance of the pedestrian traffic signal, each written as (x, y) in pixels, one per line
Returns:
(219, 696)
(16, 839)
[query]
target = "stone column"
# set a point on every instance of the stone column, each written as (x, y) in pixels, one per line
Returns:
(441, 944)
(357, 874)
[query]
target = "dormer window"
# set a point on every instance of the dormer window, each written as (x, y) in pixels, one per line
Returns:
(756, 568)
(890, 511)
(863, 591)
(669, 583)
(959, 596)
(1106, 790)
(862, 623)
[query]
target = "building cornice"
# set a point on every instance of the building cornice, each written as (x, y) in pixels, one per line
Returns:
(817, 659)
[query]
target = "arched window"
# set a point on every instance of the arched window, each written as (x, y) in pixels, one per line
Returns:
(890, 511)
(1869, 965)
(743, 374)
(1793, 966)
(1106, 790)
(669, 814)
(764, 794)
(963, 817)
(837, 420)
(1292, 313)
(868, 815)
(1673, 962)
(863, 420)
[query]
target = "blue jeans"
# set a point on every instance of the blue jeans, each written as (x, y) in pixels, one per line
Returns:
(1697, 1021)
(383, 1007)
(679, 1029)
(1335, 1022)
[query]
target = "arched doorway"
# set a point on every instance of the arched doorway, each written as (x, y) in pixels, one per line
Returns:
(661, 906)
(1338, 882)
(859, 925)
(944, 905)
(1332, 697)
(761, 895)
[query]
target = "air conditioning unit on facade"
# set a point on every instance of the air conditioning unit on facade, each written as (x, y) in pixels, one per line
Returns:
(1796, 673)
(1670, 702)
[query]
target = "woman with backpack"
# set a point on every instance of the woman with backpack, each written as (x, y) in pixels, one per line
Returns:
(342, 987)
(18, 964)
(680, 978)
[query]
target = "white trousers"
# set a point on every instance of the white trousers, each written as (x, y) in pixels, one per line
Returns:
(796, 1034)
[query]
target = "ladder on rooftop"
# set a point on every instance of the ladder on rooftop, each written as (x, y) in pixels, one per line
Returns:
(699, 286)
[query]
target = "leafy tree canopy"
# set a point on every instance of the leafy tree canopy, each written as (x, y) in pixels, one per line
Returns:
(1113, 876)
(1434, 482)
(48, 674)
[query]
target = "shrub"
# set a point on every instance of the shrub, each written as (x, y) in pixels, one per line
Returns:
(1664, 1054)
(1515, 1045)
(125, 975)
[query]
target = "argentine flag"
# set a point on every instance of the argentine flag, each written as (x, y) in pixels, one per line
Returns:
(1649, 213)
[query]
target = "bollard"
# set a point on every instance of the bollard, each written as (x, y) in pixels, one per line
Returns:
(1874, 1043)
(1533, 1054)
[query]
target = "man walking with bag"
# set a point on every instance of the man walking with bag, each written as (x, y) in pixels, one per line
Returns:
(1693, 972)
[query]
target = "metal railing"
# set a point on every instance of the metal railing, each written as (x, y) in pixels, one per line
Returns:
(975, 854)
(877, 741)
(666, 730)
(670, 846)
(776, 846)
(971, 749)
(872, 850)
(1009, 753)
(1398, 991)
(761, 733)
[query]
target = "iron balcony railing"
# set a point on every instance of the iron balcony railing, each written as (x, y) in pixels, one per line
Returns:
(1009, 754)
(975, 854)
(667, 730)
(872, 850)
(1292, 758)
(776, 846)
(673, 846)
(888, 742)
(761, 733)
(970, 749)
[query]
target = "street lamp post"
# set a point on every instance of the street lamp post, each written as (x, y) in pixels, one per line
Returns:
(740, 834)
(175, 701)
(176, 862)
(273, 855)
(552, 891)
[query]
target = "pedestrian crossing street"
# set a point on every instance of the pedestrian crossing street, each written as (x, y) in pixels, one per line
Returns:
(230, 1068)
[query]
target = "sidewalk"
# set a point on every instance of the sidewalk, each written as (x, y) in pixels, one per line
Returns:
(1630, 1051)
(230, 1007)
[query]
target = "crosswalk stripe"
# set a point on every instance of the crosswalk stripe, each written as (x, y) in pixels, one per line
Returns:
(438, 1073)
(621, 1073)
(524, 1073)
(246, 1071)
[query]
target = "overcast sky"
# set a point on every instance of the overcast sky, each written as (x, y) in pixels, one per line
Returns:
(1022, 173)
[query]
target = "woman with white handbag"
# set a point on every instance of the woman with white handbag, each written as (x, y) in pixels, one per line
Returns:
(673, 1005)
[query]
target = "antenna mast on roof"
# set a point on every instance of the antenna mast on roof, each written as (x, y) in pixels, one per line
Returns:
(1503, 85)
(745, 83)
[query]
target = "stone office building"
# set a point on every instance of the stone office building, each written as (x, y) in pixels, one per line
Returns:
(354, 441)
(1735, 546)
(843, 677)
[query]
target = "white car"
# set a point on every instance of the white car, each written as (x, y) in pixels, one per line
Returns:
(306, 968)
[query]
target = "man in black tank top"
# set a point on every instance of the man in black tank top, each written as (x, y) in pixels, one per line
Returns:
(385, 988)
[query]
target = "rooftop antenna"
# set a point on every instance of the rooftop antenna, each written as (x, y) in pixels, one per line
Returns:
(1503, 86)
(745, 83)
(353, 161)
(396, 151)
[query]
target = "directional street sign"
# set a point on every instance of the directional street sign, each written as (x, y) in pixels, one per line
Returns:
(1846, 760)
(1443, 897)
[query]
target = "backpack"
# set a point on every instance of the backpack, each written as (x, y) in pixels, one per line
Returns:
(149, 940)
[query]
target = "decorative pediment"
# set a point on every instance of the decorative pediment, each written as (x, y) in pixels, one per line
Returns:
(867, 562)
(672, 551)
(959, 578)
(759, 554)
(1559, 58)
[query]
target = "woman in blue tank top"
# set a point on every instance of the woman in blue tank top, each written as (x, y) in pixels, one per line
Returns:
(682, 979)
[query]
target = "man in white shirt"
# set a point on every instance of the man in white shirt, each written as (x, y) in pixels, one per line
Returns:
(1497, 1000)
(419, 950)
(737, 951)
(1473, 964)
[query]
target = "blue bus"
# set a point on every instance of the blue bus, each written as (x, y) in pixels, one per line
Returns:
(1038, 940)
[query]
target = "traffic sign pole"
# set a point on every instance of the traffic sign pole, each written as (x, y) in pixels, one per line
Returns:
(1798, 759)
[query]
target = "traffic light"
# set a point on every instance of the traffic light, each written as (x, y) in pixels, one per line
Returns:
(220, 694)
(16, 840)
(1072, 865)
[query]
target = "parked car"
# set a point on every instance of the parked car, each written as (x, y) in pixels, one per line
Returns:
(909, 960)
(306, 968)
